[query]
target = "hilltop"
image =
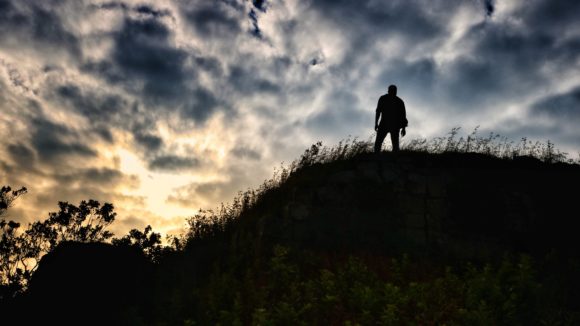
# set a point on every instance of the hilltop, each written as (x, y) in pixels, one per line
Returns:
(392, 239)
(344, 236)
(441, 203)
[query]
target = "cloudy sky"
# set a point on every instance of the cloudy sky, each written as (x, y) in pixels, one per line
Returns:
(164, 107)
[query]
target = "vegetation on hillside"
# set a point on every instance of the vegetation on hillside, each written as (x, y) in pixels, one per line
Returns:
(281, 285)
(220, 272)
(209, 222)
(314, 288)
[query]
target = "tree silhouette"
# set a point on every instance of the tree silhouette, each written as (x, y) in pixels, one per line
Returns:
(83, 223)
(7, 196)
(21, 250)
(147, 241)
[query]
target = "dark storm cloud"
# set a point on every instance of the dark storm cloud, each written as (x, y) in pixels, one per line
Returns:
(142, 50)
(407, 17)
(22, 155)
(213, 20)
(248, 82)
(53, 141)
(105, 133)
(96, 176)
(209, 64)
(564, 108)
(340, 114)
(261, 5)
(364, 25)
(480, 82)
(512, 48)
(420, 75)
(95, 107)
(105, 111)
(139, 9)
(505, 64)
(144, 54)
(173, 163)
(255, 27)
(489, 6)
(149, 142)
(32, 20)
(200, 105)
(555, 16)
(368, 22)
(148, 10)
(111, 6)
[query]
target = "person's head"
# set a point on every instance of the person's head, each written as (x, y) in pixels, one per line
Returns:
(393, 90)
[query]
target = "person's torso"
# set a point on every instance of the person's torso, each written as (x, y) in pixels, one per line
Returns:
(391, 108)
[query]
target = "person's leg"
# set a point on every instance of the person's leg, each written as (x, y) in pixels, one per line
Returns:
(381, 134)
(395, 139)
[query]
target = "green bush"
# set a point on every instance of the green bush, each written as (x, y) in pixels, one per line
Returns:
(288, 292)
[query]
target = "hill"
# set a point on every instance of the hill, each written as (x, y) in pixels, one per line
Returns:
(440, 203)
(349, 237)
(401, 238)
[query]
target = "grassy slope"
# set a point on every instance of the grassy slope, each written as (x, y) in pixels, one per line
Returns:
(349, 259)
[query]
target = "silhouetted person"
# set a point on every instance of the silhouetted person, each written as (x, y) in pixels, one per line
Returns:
(391, 111)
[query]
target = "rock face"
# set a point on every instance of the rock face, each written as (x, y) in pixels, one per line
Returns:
(451, 201)
(90, 283)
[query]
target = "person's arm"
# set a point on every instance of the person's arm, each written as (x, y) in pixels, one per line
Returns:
(405, 121)
(377, 115)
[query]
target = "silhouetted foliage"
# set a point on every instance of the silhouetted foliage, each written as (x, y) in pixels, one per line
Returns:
(493, 145)
(147, 241)
(7, 196)
(14, 270)
(83, 223)
(22, 249)
(351, 292)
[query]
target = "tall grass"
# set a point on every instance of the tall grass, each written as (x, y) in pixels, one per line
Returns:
(493, 145)
(210, 223)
